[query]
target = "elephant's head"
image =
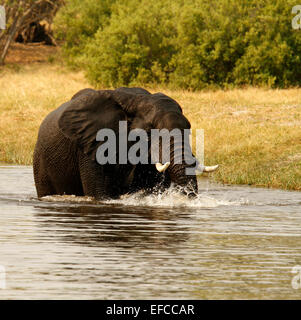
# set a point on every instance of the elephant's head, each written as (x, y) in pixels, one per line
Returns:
(158, 111)
(91, 110)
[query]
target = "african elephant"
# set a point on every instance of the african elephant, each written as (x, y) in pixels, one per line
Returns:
(65, 155)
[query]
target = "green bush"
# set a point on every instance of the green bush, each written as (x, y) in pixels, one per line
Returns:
(184, 44)
(135, 47)
(76, 24)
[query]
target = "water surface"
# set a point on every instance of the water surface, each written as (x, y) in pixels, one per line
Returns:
(229, 243)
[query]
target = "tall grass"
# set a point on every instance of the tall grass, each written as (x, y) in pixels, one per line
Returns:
(254, 134)
(26, 97)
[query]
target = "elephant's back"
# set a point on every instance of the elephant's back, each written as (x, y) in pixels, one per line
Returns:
(55, 159)
(50, 137)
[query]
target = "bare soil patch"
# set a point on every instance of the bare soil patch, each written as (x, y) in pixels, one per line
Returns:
(20, 53)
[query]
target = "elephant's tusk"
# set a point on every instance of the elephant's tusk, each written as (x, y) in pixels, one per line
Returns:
(202, 169)
(162, 167)
(210, 169)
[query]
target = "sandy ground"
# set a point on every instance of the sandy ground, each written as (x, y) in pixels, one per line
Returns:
(20, 53)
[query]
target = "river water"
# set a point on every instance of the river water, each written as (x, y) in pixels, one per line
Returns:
(231, 242)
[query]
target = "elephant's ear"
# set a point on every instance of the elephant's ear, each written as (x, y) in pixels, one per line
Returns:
(133, 90)
(145, 109)
(86, 114)
(131, 100)
(82, 92)
(136, 103)
(165, 103)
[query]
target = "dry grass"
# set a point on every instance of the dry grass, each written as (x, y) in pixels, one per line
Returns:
(254, 134)
(27, 96)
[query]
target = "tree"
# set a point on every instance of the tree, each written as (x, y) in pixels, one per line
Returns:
(21, 13)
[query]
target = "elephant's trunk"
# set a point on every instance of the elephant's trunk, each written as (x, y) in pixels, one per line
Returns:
(188, 183)
(182, 159)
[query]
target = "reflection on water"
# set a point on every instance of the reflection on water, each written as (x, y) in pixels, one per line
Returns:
(229, 243)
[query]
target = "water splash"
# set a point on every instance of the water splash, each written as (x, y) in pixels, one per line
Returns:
(173, 199)
(69, 199)
(168, 199)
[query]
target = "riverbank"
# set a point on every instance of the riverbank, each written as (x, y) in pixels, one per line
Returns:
(254, 134)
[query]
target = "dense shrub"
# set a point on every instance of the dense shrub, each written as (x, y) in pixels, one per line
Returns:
(187, 44)
(135, 47)
(77, 22)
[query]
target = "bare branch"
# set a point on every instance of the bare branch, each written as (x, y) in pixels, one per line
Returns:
(21, 14)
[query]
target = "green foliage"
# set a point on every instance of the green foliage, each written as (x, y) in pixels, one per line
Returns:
(184, 44)
(77, 22)
(132, 48)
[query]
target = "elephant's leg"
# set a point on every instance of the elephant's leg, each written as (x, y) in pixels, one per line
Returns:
(92, 178)
(42, 180)
(55, 175)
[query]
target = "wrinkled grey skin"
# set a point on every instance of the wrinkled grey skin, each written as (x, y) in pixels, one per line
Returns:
(65, 153)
